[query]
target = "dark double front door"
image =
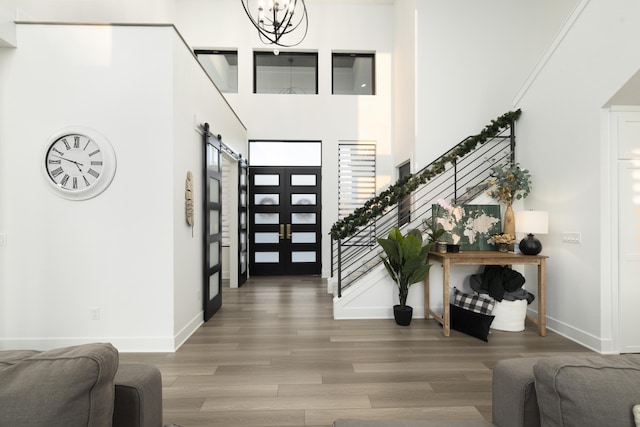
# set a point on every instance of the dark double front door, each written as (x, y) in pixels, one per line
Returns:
(285, 220)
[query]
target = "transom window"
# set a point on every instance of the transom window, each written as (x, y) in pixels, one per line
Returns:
(222, 67)
(353, 74)
(285, 73)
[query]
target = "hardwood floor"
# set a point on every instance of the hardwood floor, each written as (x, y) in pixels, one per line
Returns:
(274, 356)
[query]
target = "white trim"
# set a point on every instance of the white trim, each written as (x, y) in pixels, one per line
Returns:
(609, 325)
(610, 229)
(576, 335)
(188, 330)
(123, 344)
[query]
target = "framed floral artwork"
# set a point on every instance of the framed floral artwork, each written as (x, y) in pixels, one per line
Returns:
(470, 226)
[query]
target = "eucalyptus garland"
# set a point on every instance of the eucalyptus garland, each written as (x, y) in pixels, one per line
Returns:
(377, 205)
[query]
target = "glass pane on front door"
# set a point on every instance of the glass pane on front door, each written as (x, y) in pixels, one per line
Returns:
(267, 199)
(266, 237)
(303, 199)
(267, 218)
(303, 218)
(303, 237)
(303, 256)
(301, 180)
(270, 257)
(267, 180)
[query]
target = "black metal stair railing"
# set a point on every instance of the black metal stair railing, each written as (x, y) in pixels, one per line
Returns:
(462, 180)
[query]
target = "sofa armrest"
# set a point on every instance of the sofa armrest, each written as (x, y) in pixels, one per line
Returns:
(514, 395)
(138, 400)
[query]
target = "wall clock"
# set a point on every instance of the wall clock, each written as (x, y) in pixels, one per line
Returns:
(78, 163)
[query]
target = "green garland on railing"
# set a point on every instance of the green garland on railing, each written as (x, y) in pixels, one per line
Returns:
(376, 206)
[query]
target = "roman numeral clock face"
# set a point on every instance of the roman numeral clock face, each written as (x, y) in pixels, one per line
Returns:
(79, 166)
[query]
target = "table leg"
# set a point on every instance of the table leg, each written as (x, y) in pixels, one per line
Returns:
(426, 295)
(446, 327)
(542, 298)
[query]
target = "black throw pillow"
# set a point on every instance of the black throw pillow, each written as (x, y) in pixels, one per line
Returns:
(471, 323)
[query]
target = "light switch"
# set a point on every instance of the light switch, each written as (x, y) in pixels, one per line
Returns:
(571, 237)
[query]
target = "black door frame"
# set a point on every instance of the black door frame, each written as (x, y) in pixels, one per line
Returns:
(212, 234)
(285, 226)
(243, 218)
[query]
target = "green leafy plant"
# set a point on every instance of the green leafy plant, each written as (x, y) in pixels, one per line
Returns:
(509, 183)
(405, 259)
(433, 231)
(377, 206)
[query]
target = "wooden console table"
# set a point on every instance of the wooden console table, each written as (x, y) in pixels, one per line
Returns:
(484, 258)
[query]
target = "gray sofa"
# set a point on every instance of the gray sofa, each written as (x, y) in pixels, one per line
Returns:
(83, 385)
(556, 391)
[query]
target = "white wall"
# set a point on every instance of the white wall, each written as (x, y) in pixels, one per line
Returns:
(321, 117)
(95, 11)
(472, 59)
(406, 83)
(195, 101)
(65, 257)
(127, 252)
(563, 138)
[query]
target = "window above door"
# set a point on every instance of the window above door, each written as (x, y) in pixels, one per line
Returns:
(221, 66)
(291, 73)
(285, 153)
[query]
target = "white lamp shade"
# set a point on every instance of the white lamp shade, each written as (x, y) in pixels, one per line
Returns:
(533, 222)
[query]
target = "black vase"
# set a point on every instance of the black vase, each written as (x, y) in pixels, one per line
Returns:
(402, 314)
(530, 245)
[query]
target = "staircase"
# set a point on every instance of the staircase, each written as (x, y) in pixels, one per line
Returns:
(459, 176)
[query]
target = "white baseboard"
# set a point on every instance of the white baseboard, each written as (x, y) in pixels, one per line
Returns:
(189, 329)
(123, 344)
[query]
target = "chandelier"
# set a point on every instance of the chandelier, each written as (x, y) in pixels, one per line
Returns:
(277, 18)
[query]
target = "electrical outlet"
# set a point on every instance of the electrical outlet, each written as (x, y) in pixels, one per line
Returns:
(571, 237)
(3, 239)
(95, 313)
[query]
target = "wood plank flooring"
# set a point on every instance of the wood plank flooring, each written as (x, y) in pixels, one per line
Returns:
(274, 356)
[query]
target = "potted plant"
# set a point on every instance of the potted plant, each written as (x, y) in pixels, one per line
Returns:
(405, 262)
(508, 183)
(503, 241)
(434, 233)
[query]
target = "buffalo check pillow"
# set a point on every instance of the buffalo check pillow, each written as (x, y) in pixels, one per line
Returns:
(471, 314)
(482, 304)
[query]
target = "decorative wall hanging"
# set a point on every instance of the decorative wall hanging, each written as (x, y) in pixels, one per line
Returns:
(470, 226)
(188, 199)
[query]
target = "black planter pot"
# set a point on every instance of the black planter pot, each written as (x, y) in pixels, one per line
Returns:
(403, 315)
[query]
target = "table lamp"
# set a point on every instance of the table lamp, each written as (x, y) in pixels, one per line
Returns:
(531, 222)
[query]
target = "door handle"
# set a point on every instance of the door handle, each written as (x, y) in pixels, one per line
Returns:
(289, 231)
(281, 233)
